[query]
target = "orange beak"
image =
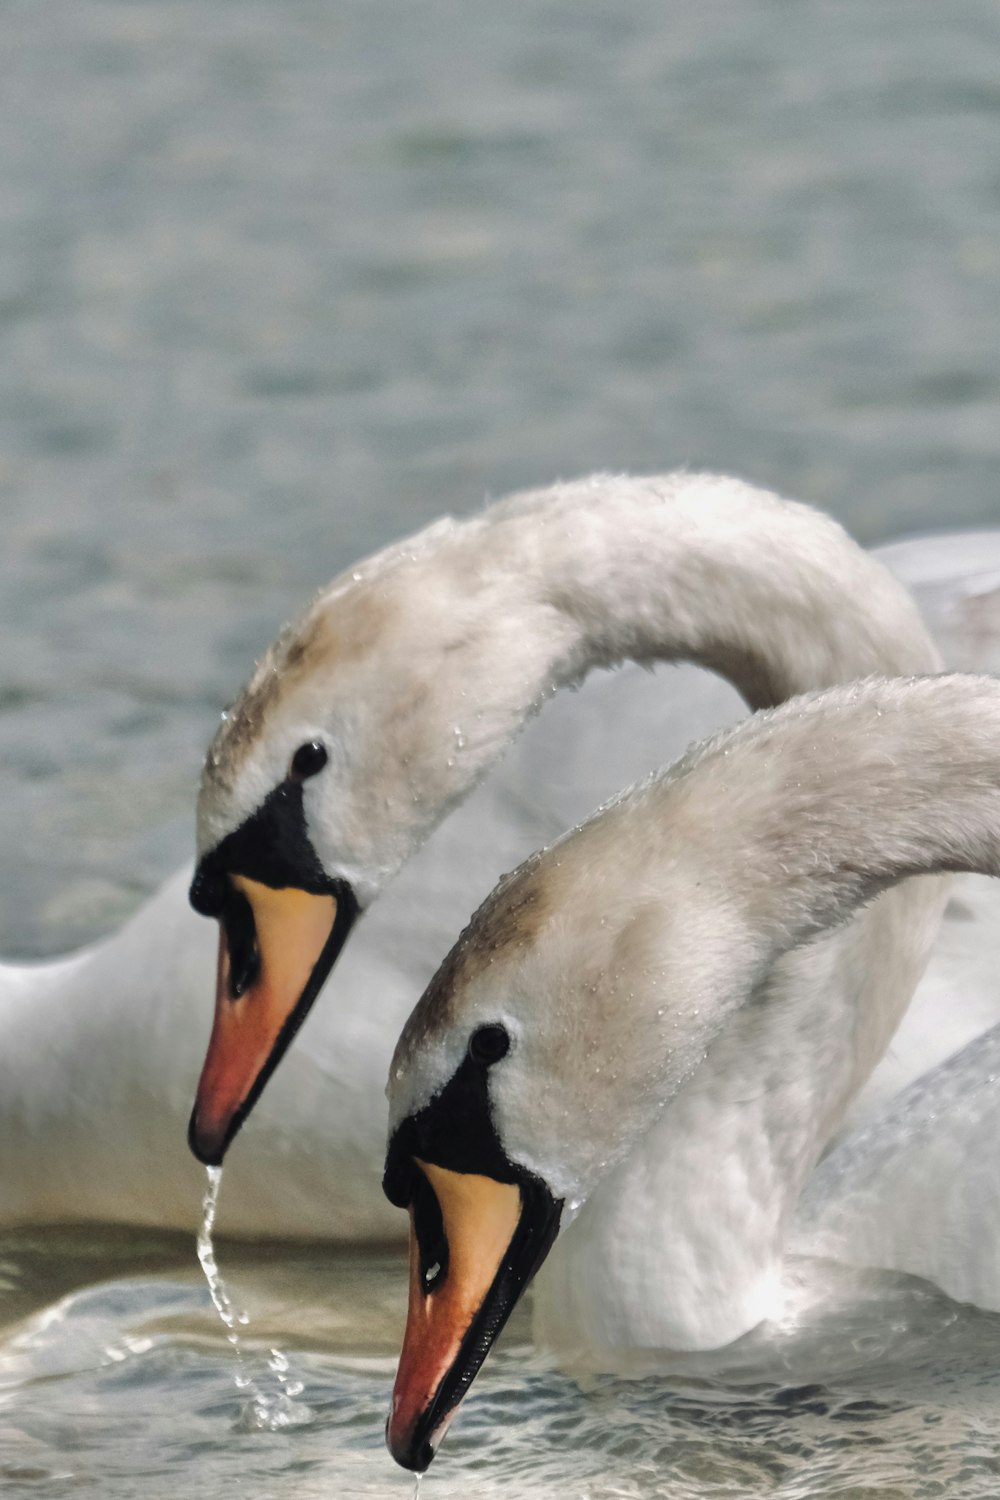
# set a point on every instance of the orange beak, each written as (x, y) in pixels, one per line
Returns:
(490, 1240)
(276, 947)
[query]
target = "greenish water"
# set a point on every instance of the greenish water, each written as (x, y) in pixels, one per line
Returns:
(279, 281)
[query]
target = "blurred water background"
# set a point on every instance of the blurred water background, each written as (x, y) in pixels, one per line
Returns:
(281, 279)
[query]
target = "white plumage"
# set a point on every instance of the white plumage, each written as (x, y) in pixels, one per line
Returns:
(681, 1048)
(487, 618)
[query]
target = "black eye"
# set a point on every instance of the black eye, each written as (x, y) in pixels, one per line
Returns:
(488, 1044)
(308, 760)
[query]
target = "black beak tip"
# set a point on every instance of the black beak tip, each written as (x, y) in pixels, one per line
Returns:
(207, 1150)
(416, 1456)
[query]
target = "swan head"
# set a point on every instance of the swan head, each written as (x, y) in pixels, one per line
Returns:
(576, 1002)
(352, 740)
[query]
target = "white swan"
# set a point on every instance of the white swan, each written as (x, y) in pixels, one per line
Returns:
(650, 1005)
(382, 708)
(101, 1050)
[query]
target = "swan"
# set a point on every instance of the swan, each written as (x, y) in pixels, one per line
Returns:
(655, 987)
(102, 1048)
(380, 710)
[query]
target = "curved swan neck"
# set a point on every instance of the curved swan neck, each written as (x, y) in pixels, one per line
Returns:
(422, 665)
(649, 927)
(780, 830)
(829, 800)
(769, 593)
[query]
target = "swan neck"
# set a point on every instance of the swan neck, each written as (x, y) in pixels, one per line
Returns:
(770, 594)
(832, 800)
(425, 663)
(677, 903)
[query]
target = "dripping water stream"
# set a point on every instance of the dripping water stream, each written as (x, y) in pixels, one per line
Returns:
(264, 1409)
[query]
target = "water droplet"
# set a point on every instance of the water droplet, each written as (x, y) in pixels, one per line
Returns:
(206, 1255)
(263, 1411)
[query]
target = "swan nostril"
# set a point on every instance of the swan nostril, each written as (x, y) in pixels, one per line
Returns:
(208, 893)
(428, 1229)
(240, 930)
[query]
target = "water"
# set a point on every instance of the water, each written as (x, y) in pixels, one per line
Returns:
(217, 1290)
(279, 281)
(261, 1409)
(121, 1386)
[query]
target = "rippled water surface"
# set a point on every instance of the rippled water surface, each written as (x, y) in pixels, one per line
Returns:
(280, 279)
(116, 1380)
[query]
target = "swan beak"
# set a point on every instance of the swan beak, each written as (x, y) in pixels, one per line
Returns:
(276, 948)
(495, 1235)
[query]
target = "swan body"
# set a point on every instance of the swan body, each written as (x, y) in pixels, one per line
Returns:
(658, 1002)
(101, 1049)
(915, 1189)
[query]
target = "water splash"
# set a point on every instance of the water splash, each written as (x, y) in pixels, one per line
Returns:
(264, 1410)
(206, 1255)
(416, 1486)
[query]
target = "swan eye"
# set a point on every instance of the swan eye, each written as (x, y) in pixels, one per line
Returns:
(308, 760)
(488, 1044)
